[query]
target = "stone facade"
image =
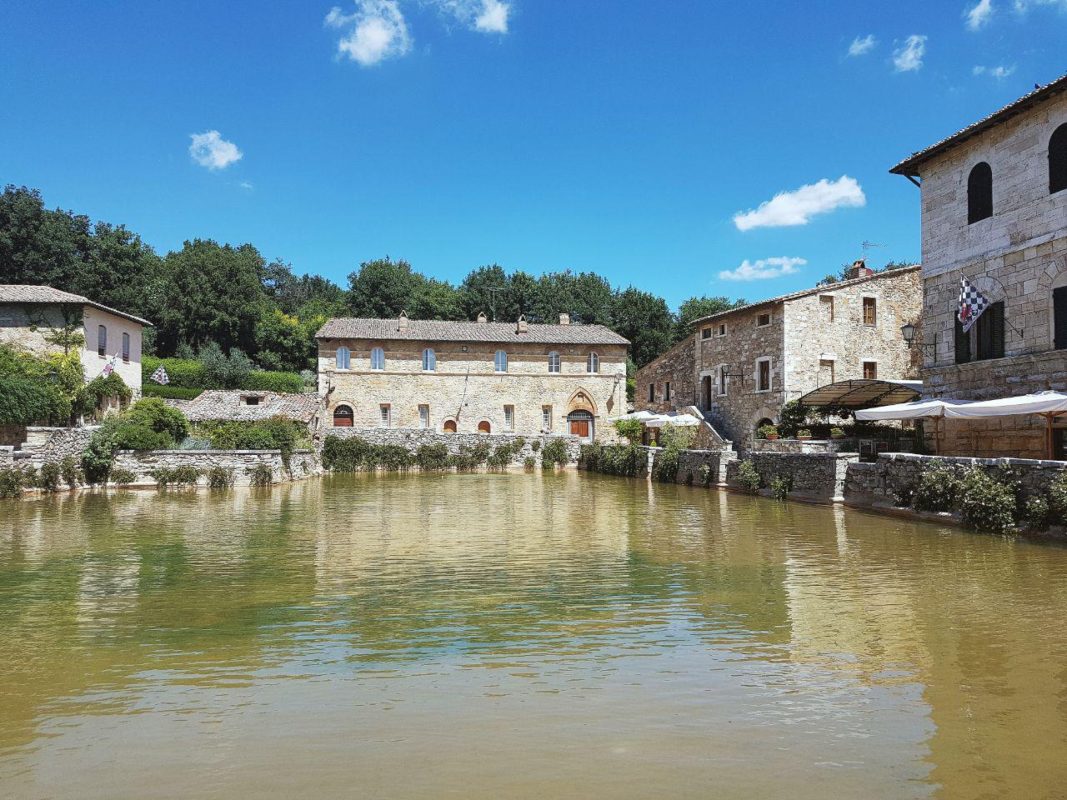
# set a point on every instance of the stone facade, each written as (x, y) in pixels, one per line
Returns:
(1017, 256)
(807, 339)
(814, 476)
(465, 391)
(302, 463)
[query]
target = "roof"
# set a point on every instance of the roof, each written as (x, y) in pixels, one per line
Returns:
(822, 289)
(911, 164)
(46, 295)
(441, 331)
(226, 404)
(862, 393)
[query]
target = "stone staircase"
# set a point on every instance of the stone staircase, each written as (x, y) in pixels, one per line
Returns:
(708, 437)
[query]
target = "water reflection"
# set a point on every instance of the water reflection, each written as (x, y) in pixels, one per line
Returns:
(489, 635)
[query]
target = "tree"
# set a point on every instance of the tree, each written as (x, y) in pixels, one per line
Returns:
(586, 297)
(434, 299)
(698, 307)
(488, 290)
(382, 288)
(646, 321)
(285, 341)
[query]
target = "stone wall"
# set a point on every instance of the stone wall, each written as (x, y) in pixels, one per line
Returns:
(678, 367)
(846, 445)
(55, 444)
(12, 435)
(412, 440)
(815, 476)
(690, 463)
(303, 463)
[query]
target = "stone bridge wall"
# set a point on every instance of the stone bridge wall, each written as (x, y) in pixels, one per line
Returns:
(815, 476)
(303, 463)
(412, 439)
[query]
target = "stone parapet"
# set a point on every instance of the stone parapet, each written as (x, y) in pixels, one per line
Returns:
(302, 463)
(814, 476)
(803, 446)
(413, 438)
(691, 464)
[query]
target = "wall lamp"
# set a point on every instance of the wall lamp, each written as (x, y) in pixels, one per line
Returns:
(908, 332)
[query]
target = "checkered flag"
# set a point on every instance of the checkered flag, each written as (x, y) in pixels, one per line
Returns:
(160, 376)
(972, 304)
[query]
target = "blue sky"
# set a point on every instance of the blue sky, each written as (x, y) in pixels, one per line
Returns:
(626, 138)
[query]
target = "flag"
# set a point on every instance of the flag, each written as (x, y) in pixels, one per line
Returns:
(160, 376)
(972, 304)
(109, 367)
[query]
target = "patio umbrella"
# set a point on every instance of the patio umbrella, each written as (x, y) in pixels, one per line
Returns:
(935, 409)
(681, 420)
(1045, 404)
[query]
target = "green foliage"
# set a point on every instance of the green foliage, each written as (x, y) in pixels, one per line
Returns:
(471, 457)
(48, 477)
(260, 475)
(986, 503)
(629, 429)
(804, 433)
(68, 469)
(286, 341)
(155, 415)
(178, 476)
(554, 453)
(535, 445)
(1057, 499)
(277, 433)
(781, 486)
(529, 463)
(837, 433)
(937, 489)
(98, 457)
(25, 401)
(220, 478)
(224, 371)
(150, 424)
(646, 321)
(344, 455)
(121, 476)
(169, 392)
(748, 477)
(183, 373)
(393, 457)
(706, 474)
(1037, 516)
(673, 440)
(259, 380)
(12, 481)
(91, 397)
(698, 307)
(766, 431)
(624, 460)
(432, 457)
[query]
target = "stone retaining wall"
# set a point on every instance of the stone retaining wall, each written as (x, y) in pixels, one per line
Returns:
(815, 476)
(806, 446)
(690, 462)
(412, 439)
(55, 444)
(303, 463)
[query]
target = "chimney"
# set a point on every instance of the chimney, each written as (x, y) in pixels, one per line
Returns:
(482, 317)
(520, 326)
(402, 322)
(859, 270)
(564, 319)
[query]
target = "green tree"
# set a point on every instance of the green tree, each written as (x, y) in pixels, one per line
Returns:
(698, 307)
(488, 290)
(382, 288)
(646, 321)
(285, 341)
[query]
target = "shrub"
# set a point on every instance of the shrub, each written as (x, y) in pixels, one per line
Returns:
(937, 489)
(183, 373)
(470, 457)
(517, 444)
(803, 433)
(48, 477)
(11, 482)
(792, 418)
(179, 476)
(266, 381)
(781, 486)
(529, 463)
(24, 401)
(220, 478)
(260, 475)
(222, 370)
(91, 396)
(706, 474)
(1057, 499)
(394, 457)
(535, 445)
(555, 452)
(170, 392)
(629, 429)
(1036, 513)
(748, 477)
(432, 457)
(277, 433)
(344, 455)
(766, 431)
(122, 477)
(674, 439)
(837, 433)
(986, 504)
(68, 468)
(152, 413)
(500, 457)
(98, 457)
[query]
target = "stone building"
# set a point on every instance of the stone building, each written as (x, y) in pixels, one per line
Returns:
(994, 210)
(240, 405)
(471, 377)
(37, 318)
(741, 366)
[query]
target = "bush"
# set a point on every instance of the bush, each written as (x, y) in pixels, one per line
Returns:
(155, 415)
(179, 476)
(264, 381)
(535, 445)
(68, 468)
(48, 477)
(837, 433)
(394, 457)
(1057, 499)
(277, 433)
(674, 440)
(170, 392)
(183, 373)
(470, 457)
(937, 489)
(25, 401)
(792, 418)
(432, 457)
(748, 477)
(986, 504)
(344, 455)
(220, 478)
(555, 452)
(804, 433)
(221, 370)
(706, 474)
(1036, 513)
(260, 475)
(766, 431)
(781, 486)
(629, 429)
(11, 482)
(91, 397)
(122, 477)
(98, 457)
(529, 463)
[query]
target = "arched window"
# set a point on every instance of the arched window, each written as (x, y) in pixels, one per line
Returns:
(449, 426)
(377, 358)
(101, 341)
(500, 361)
(342, 417)
(344, 358)
(979, 193)
(484, 427)
(594, 363)
(553, 361)
(1057, 160)
(125, 348)
(429, 360)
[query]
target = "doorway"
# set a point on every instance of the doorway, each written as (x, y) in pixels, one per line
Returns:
(580, 424)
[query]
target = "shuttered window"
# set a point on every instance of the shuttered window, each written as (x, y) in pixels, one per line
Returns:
(963, 344)
(979, 193)
(1057, 160)
(1059, 315)
(991, 332)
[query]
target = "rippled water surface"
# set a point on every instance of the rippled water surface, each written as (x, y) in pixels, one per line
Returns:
(520, 636)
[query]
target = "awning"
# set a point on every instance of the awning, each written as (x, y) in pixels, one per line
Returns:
(681, 420)
(919, 410)
(1048, 403)
(862, 393)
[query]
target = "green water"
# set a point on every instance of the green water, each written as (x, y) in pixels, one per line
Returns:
(520, 636)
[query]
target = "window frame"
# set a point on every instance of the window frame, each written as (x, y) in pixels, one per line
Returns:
(722, 329)
(760, 317)
(722, 382)
(1057, 160)
(554, 361)
(509, 418)
(500, 357)
(546, 419)
(987, 347)
(351, 416)
(652, 393)
(666, 391)
(377, 358)
(125, 348)
(424, 416)
(979, 194)
(770, 375)
(863, 368)
(101, 341)
(868, 301)
(592, 363)
(705, 333)
(385, 415)
(347, 359)
(429, 360)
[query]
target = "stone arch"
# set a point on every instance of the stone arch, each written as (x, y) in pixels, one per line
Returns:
(485, 427)
(448, 426)
(582, 400)
(343, 416)
(760, 417)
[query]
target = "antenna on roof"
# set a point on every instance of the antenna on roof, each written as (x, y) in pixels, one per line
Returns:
(492, 298)
(865, 245)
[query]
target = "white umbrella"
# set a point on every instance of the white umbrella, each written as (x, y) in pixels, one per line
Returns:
(681, 420)
(918, 410)
(1047, 404)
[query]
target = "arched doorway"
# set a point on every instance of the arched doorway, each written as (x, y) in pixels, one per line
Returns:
(581, 423)
(449, 426)
(343, 417)
(763, 421)
(484, 427)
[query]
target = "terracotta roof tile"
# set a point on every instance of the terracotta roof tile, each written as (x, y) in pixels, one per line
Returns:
(443, 331)
(23, 293)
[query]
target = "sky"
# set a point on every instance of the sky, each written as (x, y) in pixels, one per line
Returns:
(686, 148)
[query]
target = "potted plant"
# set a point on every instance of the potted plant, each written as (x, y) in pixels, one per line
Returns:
(803, 434)
(768, 432)
(837, 433)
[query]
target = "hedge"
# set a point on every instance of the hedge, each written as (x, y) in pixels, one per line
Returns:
(170, 392)
(24, 401)
(265, 381)
(188, 373)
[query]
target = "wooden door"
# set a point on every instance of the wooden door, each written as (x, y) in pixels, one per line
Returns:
(580, 427)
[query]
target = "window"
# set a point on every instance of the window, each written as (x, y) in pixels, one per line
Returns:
(963, 343)
(705, 333)
(342, 417)
(870, 311)
(377, 358)
(385, 412)
(1057, 160)
(553, 361)
(500, 361)
(509, 418)
(1059, 317)
(126, 348)
(990, 328)
(546, 418)
(449, 426)
(594, 363)
(870, 370)
(763, 375)
(343, 358)
(979, 193)
(251, 400)
(429, 360)
(667, 392)
(424, 416)
(826, 371)
(826, 306)
(722, 329)
(101, 341)
(763, 320)
(652, 393)
(722, 380)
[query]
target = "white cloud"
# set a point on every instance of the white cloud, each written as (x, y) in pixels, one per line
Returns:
(1022, 6)
(979, 15)
(485, 16)
(862, 45)
(246, 185)
(209, 149)
(763, 269)
(909, 57)
(998, 72)
(375, 31)
(797, 207)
